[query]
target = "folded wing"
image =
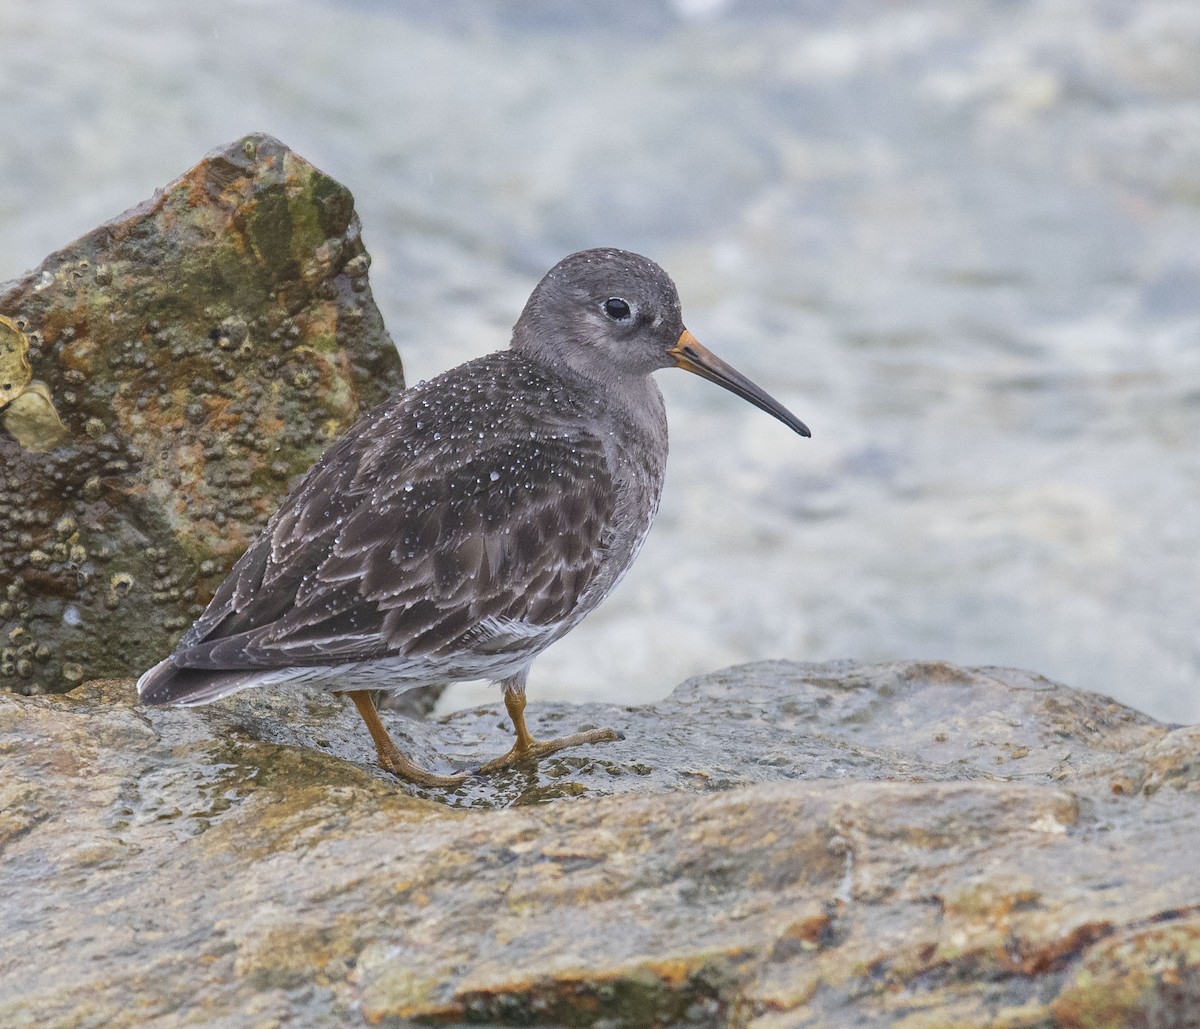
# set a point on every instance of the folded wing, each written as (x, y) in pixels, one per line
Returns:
(400, 544)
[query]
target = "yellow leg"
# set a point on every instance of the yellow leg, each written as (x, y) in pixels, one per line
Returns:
(390, 758)
(526, 748)
(514, 703)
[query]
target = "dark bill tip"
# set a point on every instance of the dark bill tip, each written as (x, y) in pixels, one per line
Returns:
(691, 356)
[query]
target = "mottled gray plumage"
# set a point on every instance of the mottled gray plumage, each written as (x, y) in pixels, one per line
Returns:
(464, 525)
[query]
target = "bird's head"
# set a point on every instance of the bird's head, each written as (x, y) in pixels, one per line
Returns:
(612, 315)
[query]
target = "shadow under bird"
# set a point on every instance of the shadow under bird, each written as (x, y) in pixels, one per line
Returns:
(462, 526)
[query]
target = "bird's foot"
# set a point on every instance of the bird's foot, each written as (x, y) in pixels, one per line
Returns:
(391, 760)
(530, 749)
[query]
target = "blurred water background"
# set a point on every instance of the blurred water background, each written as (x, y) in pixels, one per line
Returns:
(960, 240)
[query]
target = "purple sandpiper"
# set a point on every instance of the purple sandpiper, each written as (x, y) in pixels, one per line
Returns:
(462, 526)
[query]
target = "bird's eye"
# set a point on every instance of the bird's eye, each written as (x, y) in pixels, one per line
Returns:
(617, 309)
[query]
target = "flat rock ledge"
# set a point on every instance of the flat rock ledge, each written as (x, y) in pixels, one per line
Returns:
(778, 844)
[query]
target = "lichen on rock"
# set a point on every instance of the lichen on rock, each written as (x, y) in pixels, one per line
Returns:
(15, 372)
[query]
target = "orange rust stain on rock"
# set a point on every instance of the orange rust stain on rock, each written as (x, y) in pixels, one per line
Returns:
(1056, 954)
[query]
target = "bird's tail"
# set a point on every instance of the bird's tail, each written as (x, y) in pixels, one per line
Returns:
(167, 683)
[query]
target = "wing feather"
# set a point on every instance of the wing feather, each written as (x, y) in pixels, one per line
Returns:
(402, 543)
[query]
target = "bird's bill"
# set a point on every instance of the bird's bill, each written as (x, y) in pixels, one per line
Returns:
(692, 356)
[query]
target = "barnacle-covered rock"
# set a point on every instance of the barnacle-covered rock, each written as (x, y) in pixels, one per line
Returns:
(162, 381)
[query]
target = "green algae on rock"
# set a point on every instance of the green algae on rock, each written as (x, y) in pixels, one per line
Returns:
(162, 380)
(912, 845)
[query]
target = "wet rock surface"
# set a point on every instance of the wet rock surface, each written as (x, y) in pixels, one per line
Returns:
(778, 844)
(162, 380)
